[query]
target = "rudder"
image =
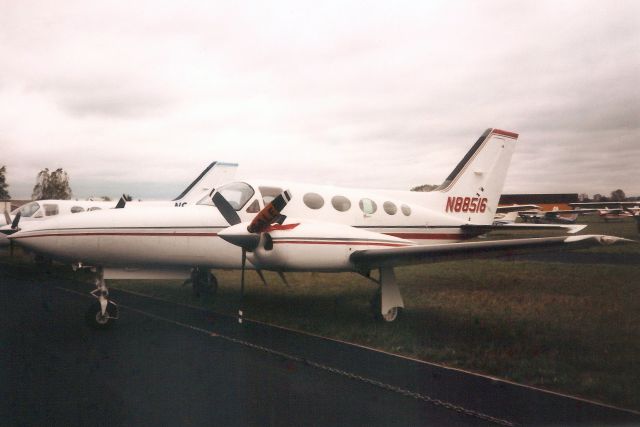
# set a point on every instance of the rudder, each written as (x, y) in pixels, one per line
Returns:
(472, 190)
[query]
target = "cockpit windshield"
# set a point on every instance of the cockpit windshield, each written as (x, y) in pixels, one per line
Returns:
(27, 210)
(236, 193)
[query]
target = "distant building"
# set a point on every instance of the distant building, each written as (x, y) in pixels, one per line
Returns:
(546, 201)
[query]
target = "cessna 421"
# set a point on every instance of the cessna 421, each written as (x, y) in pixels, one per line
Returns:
(214, 174)
(296, 227)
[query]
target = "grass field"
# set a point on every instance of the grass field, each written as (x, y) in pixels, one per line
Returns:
(567, 322)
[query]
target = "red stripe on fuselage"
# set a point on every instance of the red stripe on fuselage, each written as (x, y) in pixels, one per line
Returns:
(430, 236)
(171, 234)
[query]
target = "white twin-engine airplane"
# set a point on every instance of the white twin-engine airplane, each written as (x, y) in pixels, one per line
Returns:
(296, 227)
(214, 174)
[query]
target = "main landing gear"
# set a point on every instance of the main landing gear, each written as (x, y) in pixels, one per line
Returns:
(387, 303)
(103, 312)
(202, 281)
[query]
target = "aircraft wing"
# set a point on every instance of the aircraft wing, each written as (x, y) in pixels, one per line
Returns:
(519, 226)
(424, 254)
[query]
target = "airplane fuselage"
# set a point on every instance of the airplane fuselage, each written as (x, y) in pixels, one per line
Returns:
(182, 237)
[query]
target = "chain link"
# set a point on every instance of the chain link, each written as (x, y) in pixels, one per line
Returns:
(327, 368)
(376, 383)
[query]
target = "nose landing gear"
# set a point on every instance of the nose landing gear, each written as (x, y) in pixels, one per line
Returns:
(103, 312)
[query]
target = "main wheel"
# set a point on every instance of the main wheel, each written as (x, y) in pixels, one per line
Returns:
(202, 281)
(376, 304)
(96, 320)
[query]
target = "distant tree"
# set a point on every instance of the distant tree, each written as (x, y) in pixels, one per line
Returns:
(618, 196)
(583, 197)
(4, 193)
(425, 187)
(598, 197)
(52, 185)
(106, 198)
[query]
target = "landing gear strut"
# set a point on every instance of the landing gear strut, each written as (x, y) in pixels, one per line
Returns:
(103, 312)
(387, 302)
(203, 281)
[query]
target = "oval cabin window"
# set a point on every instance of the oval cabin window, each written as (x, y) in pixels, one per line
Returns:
(77, 209)
(390, 208)
(313, 200)
(341, 203)
(406, 210)
(368, 206)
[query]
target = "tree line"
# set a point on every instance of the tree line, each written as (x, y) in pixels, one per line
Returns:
(55, 185)
(49, 185)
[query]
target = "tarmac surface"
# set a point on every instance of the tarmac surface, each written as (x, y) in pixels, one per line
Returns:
(168, 364)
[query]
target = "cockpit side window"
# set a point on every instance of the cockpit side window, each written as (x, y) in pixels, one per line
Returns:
(28, 210)
(269, 193)
(254, 207)
(236, 193)
(50, 210)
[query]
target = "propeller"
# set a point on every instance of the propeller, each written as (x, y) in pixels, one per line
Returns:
(14, 225)
(248, 238)
(16, 221)
(225, 208)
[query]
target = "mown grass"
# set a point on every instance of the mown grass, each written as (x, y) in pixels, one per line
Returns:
(568, 322)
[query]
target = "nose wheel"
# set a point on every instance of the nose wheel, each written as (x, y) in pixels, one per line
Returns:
(103, 312)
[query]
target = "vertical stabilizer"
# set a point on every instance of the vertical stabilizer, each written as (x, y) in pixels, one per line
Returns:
(472, 190)
(215, 174)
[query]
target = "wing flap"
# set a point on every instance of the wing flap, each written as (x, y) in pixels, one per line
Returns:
(423, 254)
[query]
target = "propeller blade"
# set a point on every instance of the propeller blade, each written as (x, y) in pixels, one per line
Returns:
(270, 213)
(225, 208)
(262, 277)
(239, 236)
(244, 261)
(16, 221)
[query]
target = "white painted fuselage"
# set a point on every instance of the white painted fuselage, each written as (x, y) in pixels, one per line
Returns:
(183, 237)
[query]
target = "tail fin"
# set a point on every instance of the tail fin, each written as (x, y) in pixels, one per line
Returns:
(472, 191)
(215, 174)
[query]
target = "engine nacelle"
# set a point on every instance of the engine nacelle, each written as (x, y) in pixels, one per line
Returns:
(315, 246)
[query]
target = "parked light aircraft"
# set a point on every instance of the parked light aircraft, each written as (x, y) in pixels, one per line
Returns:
(507, 215)
(208, 179)
(555, 216)
(611, 210)
(286, 227)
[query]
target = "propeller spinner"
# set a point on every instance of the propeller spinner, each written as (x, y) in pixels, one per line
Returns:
(248, 236)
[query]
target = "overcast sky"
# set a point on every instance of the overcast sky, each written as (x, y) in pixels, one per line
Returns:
(139, 96)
